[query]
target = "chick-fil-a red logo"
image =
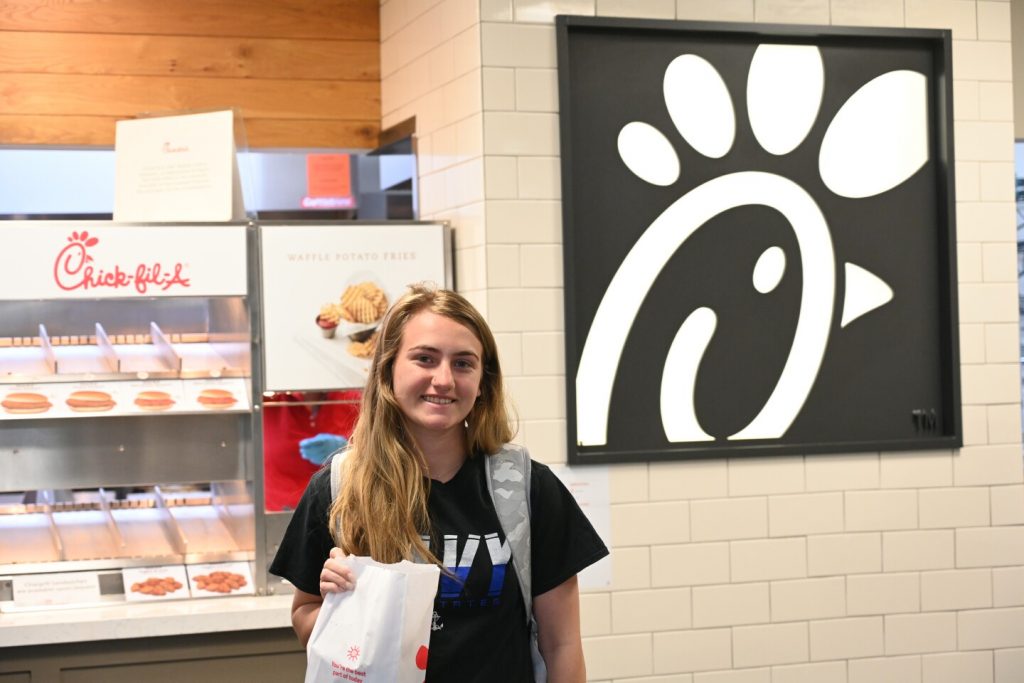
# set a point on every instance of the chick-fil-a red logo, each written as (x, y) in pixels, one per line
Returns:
(74, 269)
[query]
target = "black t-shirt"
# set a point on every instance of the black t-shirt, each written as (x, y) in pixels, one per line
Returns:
(479, 630)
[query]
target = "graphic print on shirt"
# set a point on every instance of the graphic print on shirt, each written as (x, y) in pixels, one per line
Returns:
(455, 590)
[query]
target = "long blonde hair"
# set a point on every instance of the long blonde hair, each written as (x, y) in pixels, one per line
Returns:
(381, 510)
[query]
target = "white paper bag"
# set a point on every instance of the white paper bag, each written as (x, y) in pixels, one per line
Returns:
(378, 632)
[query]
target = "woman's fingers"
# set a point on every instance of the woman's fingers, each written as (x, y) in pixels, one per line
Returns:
(336, 576)
(339, 580)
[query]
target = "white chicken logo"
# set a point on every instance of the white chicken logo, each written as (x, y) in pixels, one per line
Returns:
(876, 141)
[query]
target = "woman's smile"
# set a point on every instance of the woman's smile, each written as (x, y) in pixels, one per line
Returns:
(437, 375)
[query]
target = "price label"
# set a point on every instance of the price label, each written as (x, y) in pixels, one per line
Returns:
(56, 589)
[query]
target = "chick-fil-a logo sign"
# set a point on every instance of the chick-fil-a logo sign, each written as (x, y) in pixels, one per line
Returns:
(75, 269)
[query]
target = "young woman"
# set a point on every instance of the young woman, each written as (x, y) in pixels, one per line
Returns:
(414, 486)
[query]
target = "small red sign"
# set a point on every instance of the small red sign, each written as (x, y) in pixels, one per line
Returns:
(328, 175)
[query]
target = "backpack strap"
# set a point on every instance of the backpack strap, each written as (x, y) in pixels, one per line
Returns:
(337, 458)
(508, 482)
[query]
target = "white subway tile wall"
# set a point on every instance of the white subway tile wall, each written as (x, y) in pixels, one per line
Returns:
(975, 425)
(1007, 587)
(833, 554)
(825, 672)
(848, 568)
(952, 667)
(808, 599)
(765, 560)
(996, 184)
(969, 262)
(723, 10)
(762, 476)
(887, 670)
(968, 179)
(986, 221)
(1007, 505)
(867, 12)
(995, 100)
(644, 9)
(631, 567)
(806, 514)
(700, 649)
(595, 614)
(693, 564)
(628, 483)
(792, 11)
(1009, 663)
(917, 550)
(773, 644)
(666, 609)
(956, 590)
(958, 15)
(849, 638)
(917, 469)
(883, 594)
(949, 508)
(966, 105)
(1002, 342)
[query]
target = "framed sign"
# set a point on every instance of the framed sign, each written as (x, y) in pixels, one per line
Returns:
(759, 239)
(325, 290)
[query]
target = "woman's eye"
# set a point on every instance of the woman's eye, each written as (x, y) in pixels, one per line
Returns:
(464, 364)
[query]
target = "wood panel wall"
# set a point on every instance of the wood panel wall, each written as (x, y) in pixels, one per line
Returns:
(303, 73)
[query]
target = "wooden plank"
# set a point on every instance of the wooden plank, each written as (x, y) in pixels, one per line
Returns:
(260, 133)
(325, 19)
(266, 133)
(136, 55)
(57, 130)
(124, 96)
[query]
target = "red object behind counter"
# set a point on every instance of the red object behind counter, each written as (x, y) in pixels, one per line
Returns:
(286, 473)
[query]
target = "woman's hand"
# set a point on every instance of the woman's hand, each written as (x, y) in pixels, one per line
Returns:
(336, 576)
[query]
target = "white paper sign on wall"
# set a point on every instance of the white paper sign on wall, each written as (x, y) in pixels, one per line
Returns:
(589, 486)
(177, 168)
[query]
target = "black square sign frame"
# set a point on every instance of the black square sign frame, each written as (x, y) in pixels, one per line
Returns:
(759, 239)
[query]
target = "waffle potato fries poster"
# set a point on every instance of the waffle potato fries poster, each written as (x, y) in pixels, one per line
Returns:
(326, 289)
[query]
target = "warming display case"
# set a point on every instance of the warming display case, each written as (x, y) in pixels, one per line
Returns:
(125, 413)
(139, 368)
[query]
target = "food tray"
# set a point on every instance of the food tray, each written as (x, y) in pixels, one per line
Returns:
(202, 359)
(86, 535)
(143, 532)
(141, 358)
(204, 530)
(26, 539)
(23, 363)
(81, 360)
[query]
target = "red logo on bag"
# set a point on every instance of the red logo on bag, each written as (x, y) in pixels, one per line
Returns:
(353, 653)
(421, 658)
(74, 269)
